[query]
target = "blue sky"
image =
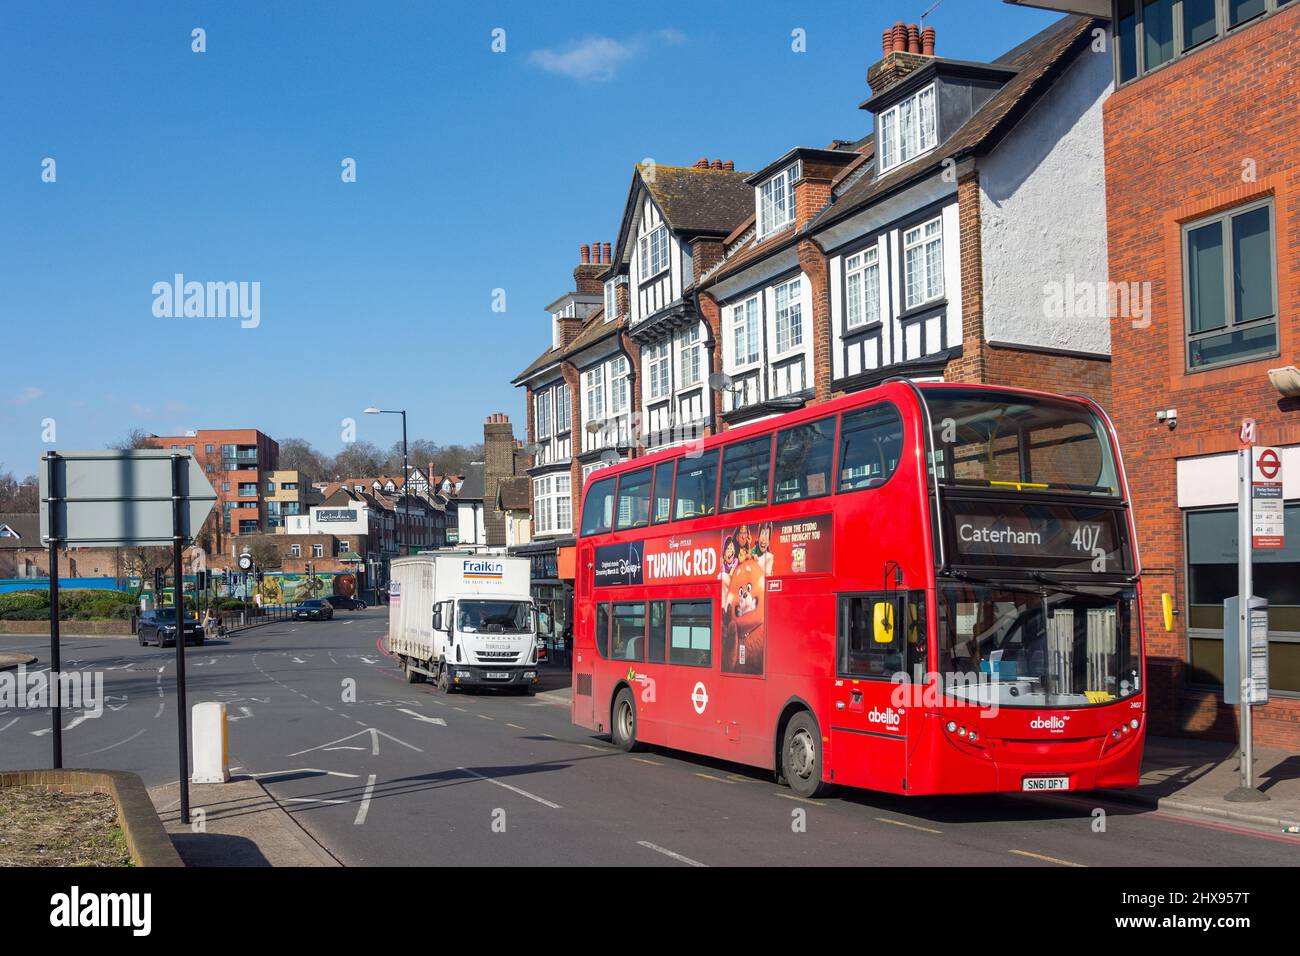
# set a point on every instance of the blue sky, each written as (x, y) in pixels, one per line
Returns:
(475, 171)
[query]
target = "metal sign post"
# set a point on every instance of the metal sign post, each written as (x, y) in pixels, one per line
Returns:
(115, 498)
(178, 539)
(56, 708)
(1248, 460)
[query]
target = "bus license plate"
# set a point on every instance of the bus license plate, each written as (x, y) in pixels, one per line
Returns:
(1039, 784)
(496, 675)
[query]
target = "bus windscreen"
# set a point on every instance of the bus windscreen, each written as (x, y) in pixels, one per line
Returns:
(1004, 441)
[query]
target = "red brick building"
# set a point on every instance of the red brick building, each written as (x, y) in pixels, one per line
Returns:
(235, 461)
(1203, 209)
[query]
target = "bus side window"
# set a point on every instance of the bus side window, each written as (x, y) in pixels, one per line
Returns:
(602, 630)
(633, 508)
(628, 639)
(662, 507)
(598, 507)
(871, 443)
(865, 650)
(805, 458)
(745, 469)
(697, 483)
(691, 624)
(657, 633)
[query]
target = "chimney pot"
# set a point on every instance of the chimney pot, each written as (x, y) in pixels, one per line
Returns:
(913, 38)
(728, 165)
(606, 252)
(887, 42)
(716, 164)
(927, 41)
(702, 163)
(585, 252)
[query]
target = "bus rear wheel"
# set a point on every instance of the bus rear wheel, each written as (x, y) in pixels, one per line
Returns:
(801, 756)
(622, 725)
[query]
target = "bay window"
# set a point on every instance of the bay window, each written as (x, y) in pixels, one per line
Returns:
(775, 200)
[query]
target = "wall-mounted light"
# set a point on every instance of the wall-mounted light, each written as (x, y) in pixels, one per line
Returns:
(1286, 380)
(1169, 416)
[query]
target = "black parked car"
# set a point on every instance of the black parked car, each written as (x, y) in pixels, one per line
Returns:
(159, 627)
(313, 610)
(341, 602)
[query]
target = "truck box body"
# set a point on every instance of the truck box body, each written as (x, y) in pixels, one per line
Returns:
(478, 645)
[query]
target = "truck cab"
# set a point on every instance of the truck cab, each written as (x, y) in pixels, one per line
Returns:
(487, 641)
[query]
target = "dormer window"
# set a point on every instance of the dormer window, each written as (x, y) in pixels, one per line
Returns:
(775, 201)
(907, 129)
(654, 252)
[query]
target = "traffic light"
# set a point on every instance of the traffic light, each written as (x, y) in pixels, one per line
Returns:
(159, 581)
(201, 580)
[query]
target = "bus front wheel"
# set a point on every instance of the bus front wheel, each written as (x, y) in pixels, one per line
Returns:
(801, 756)
(622, 727)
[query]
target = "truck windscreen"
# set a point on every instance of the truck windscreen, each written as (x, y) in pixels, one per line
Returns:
(494, 617)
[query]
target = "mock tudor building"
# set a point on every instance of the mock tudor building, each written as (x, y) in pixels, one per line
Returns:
(939, 247)
(674, 224)
(1203, 210)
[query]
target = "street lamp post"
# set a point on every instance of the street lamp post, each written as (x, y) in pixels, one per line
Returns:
(406, 474)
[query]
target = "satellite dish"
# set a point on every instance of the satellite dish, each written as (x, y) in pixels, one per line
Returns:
(610, 457)
(720, 381)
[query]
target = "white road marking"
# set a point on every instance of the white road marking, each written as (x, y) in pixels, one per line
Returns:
(374, 742)
(910, 826)
(311, 800)
(160, 710)
(420, 717)
(365, 802)
(111, 746)
(1046, 859)
(653, 763)
(669, 853)
(282, 773)
(49, 730)
(244, 714)
(8, 725)
(523, 793)
(516, 726)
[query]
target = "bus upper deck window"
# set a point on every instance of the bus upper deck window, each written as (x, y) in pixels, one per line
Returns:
(633, 507)
(745, 469)
(598, 508)
(662, 507)
(871, 443)
(697, 483)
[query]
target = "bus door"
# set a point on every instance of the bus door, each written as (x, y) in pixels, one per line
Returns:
(583, 658)
(869, 705)
(692, 691)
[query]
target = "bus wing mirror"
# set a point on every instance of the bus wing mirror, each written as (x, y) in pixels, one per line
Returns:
(882, 614)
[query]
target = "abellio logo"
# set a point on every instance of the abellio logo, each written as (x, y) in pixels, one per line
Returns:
(889, 717)
(1053, 723)
(483, 570)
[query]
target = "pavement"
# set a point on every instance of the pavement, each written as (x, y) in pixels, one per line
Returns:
(12, 659)
(1194, 775)
(236, 824)
(380, 772)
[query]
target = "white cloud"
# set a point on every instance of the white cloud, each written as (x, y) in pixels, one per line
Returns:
(29, 394)
(598, 58)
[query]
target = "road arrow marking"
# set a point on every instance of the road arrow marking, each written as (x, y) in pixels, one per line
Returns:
(374, 742)
(365, 802)
(423, 719)
(283, 773)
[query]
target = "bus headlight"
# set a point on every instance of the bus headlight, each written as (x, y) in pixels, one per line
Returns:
(952, 726)
(1133, 723)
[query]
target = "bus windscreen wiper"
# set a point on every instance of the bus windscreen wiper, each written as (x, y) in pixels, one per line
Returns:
(1040, 576)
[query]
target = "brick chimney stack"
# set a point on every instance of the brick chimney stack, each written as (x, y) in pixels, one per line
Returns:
(594, 260)
(904, 49)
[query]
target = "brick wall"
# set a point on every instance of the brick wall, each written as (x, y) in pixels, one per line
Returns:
(1050, 371)
(971, 367)
(498, 463)
(1217, 129)
(812, 260)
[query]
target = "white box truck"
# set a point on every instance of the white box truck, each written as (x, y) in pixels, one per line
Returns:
(463, 620)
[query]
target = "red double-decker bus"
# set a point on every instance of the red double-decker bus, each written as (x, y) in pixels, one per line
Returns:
(919, 589)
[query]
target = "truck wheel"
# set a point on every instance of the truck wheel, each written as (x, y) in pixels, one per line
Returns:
(801, 756)
(411, 676)
(622, 725)
(444, 680)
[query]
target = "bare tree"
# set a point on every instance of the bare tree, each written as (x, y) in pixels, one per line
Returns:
(135, 438)
(298, 454)
(358, 460)
(19, 496)
(265, 554)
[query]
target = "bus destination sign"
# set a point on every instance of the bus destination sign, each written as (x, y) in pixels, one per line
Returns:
(1059, 537)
